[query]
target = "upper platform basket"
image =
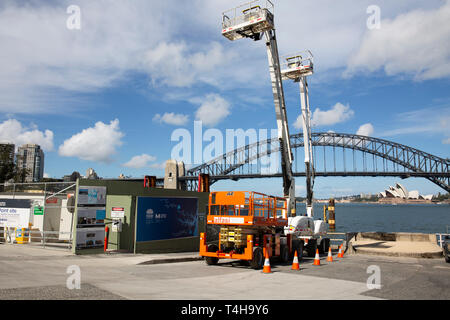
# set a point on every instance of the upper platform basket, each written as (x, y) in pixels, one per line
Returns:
(248, 20)
(298, 65)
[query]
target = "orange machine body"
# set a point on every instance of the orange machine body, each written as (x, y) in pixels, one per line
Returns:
(246, 208)
(246, 220)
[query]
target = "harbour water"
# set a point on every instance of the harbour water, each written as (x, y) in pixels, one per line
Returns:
(362, 217)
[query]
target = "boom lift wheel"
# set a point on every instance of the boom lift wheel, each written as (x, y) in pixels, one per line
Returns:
(212, 260)
(284, 254)
(324, 245)
(299, 246)
(446, 253)
(258, 258)
(311, 247)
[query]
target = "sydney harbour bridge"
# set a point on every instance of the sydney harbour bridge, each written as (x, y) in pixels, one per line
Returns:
(335, 154)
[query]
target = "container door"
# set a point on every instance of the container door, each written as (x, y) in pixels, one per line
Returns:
(120, 208)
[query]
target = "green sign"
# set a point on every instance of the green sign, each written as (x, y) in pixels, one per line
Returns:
(38, 211)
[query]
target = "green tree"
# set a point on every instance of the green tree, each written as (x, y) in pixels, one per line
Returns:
(8, 167)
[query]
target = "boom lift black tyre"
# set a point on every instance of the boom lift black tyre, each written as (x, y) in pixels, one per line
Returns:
(300, 249)
(284, 254)
(258, 258)
(446, 253)
(324, 245)
(311, 247)
(212, 260)
(299, 246)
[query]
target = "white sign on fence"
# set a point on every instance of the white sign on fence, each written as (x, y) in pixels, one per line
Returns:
(14, 217)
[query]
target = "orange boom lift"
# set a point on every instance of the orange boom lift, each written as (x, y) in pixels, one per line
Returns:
(250, 225)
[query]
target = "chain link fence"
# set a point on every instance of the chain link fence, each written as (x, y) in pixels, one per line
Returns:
(49, 220)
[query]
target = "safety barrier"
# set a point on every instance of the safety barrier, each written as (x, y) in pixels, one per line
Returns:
(441, 237)
(341, 237)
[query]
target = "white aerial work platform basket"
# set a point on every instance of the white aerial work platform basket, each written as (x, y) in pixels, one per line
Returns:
(248, 20)
(297, 65)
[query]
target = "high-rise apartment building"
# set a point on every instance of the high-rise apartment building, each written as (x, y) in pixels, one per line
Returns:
(7, 153)
(31, 157)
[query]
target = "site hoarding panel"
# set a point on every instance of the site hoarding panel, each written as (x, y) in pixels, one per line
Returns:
(90, 238)
(91, 196)
(166, 218)
(90, 217)
(15, 213)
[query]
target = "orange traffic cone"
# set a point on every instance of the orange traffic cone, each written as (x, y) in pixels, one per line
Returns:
(330, 256)
(340, 254)
(317, 258)
(295, 264)
(266, 268)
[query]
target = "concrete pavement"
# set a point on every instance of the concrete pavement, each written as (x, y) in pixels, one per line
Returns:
(415, 245)
(26, 274)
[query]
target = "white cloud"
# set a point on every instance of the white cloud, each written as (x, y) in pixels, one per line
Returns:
(337, 114)
(94, 144)
(159, 166)
(298, 124)
(446, 141)
(138, 162)
(365, 130)
(13, 131)
(175, 64)
(172, 118)
(46, 175)
(414, 43)
(213, 110)
(433, 120)
(42, 59)
(44, 65)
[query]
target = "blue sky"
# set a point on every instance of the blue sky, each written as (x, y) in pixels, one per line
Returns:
(110, 94)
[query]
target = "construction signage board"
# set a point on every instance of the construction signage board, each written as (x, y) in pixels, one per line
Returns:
(38, 211)
(166, 218)
(91, 196)
(15, 213)
(91, 214)
(90, 238)
(117, 212)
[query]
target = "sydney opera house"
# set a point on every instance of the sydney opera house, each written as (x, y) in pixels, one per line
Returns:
(400, 192)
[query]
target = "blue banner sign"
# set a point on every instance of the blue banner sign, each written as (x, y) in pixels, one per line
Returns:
(166, 218)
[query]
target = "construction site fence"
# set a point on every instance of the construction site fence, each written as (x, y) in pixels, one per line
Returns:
(35, 187)
(44, 238)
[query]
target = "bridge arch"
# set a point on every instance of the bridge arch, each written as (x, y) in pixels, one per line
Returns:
(414, 162)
